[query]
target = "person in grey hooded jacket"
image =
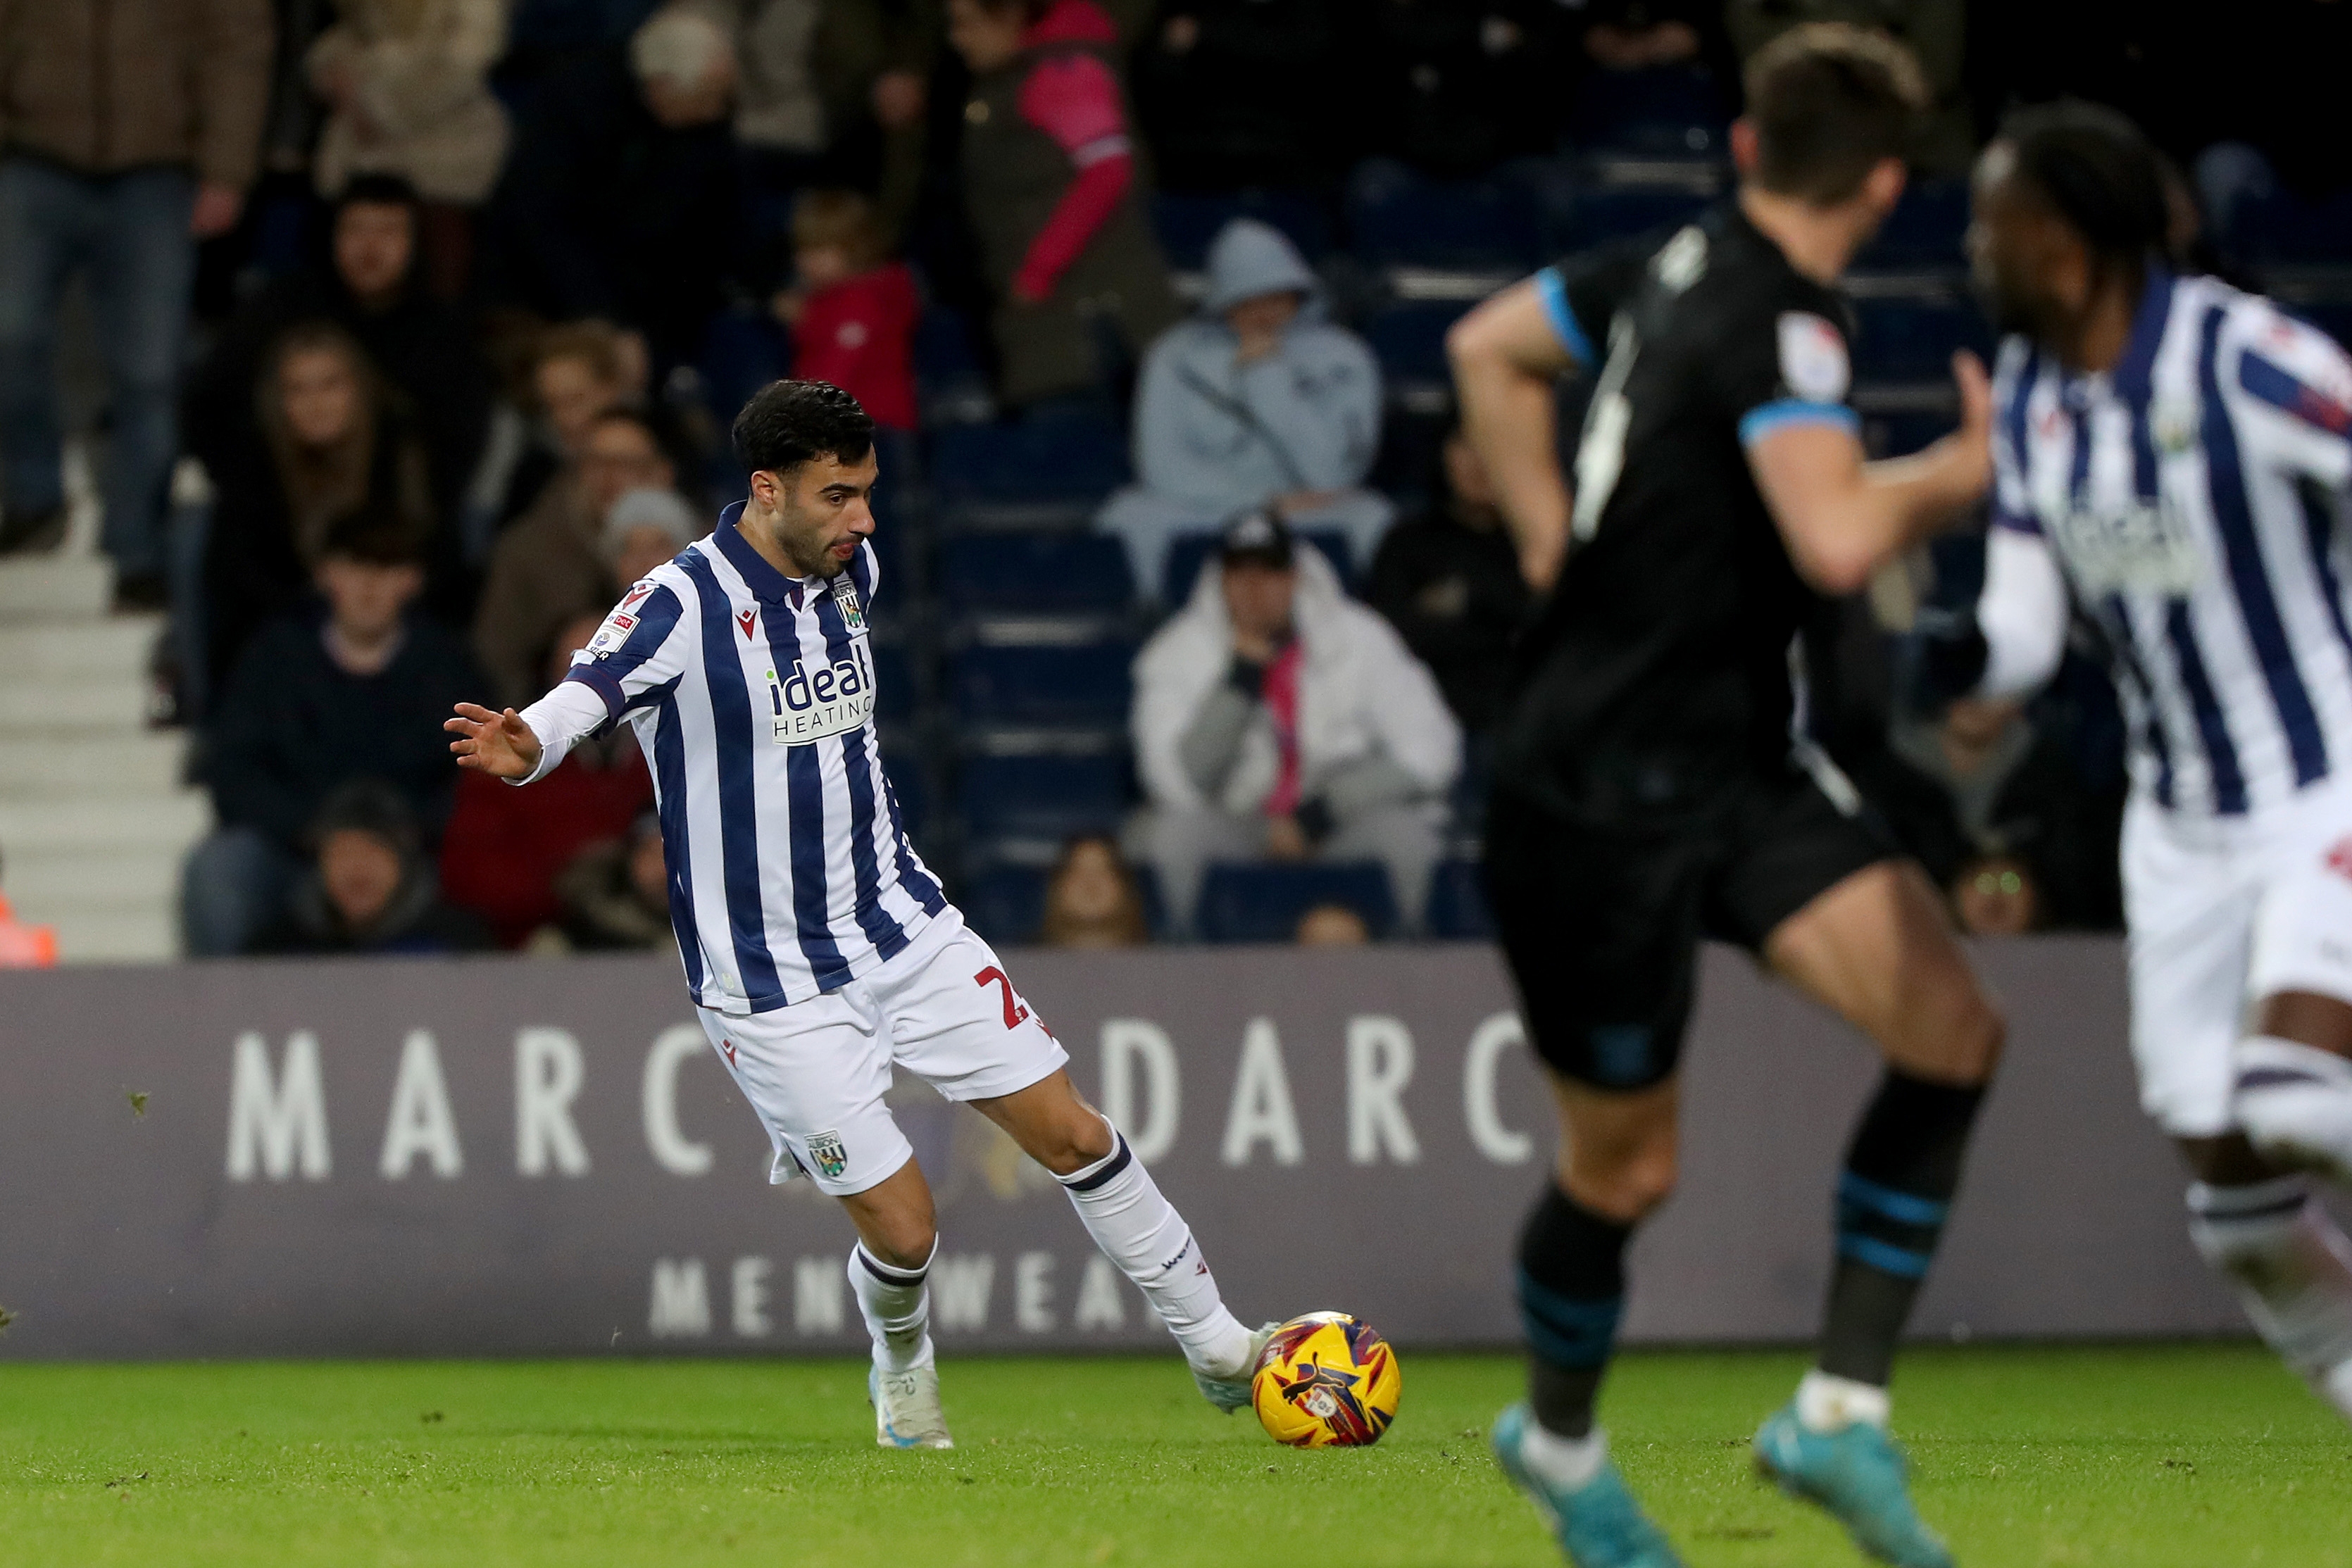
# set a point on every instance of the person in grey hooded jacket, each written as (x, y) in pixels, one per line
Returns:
(1255, 400)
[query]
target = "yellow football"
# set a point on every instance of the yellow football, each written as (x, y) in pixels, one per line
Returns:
(1326, 1381)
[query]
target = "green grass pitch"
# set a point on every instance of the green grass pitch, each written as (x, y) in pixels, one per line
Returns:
(2120, 1458)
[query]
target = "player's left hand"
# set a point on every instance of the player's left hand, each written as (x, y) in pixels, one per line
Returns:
(499, 744)
(1974, 437)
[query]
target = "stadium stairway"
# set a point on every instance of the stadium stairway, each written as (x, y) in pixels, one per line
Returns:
(94, 815)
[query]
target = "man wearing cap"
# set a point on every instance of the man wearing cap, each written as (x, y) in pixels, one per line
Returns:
(1256, 401)
(1275, 717)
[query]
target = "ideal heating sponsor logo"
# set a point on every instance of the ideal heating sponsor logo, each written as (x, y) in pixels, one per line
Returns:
(812, 705)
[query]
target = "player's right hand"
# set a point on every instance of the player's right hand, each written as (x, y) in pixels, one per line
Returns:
(499, 744)
(1975, 435)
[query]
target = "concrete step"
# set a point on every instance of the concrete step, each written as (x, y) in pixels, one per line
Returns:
(46, 882)
(54, 588)
(68, 766)
(116, 648)
(36, 710)
(118, 936)
(170, 822)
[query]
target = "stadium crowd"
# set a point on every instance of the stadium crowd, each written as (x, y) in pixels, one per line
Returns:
(422, 322)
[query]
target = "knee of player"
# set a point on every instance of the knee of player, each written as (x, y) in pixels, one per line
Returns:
(1965, 1039)
(1625, 1186)
(904, 1242)
(1077, 1139)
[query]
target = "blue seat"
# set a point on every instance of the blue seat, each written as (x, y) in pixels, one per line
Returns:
(1599, 214)
(1005, 903)
(2285, 227)
(1083, 685)
(1900, 434)
(1264, 903)
(1187, 224)
(1924, 230)
(1065, 461)
(1040, 797)
(1187, 553)
(898, 695)
(1665, 111)
(1035, 573)
(1399, 219)
(1913, 339)
(1408, 337)
(1457, 903)
(949, 375)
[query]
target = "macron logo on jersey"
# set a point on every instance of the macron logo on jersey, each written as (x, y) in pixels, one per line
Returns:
(809, 706)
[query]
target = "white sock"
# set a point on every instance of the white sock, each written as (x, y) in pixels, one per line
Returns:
(2295, 1102)
(2293, 1269)
(1831, 1404)
(1569, 1463)
(1142, 1233)
(897, 1308)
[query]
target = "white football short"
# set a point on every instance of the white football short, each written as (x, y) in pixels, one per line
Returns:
(816, 1072)
(2225, 911)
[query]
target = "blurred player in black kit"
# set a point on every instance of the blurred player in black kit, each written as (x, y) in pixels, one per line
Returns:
(1653, 788)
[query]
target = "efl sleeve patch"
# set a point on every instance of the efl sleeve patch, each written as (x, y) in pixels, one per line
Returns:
(1813, 364)
(2291, 393)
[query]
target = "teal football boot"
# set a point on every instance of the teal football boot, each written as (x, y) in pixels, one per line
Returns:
(1598, 1524)
(1858, 1475)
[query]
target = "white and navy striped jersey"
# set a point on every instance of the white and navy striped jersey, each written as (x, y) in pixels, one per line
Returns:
(2191, 498)
(753, 694)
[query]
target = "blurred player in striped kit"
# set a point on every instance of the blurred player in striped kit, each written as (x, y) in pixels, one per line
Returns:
(2172, 459)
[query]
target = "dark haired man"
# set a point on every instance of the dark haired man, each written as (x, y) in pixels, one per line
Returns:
(318, 699)
(2173, 458)
(1652, 785)
(817, 947)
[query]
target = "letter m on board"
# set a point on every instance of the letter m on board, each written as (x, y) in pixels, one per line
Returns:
(277, 1120)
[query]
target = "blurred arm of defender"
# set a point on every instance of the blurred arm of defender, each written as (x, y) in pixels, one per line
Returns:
(1507, 354)
(1843, 516)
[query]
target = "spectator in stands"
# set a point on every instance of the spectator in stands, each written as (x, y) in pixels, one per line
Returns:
(1049, 182)
(851, 308)
(1234, 94)
(367, 888)
(1935, 31)
(505, 847)
(121, 146)
(1449, 582)
(326, 438)
(833, 92)
(1092, 899)
(407, 88)
(1256, 401)
(614, 897)
(577, 372)
(1451, 89)
(1994, 807)
(1648, 76)
(422, 347)
(1277, 719)
(643, 529)
(621, 198)
(356, 691)
(1331, 925)
(551, 568)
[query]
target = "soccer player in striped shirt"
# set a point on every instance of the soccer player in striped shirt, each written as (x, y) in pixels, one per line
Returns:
(818, 949)
(2172, 460)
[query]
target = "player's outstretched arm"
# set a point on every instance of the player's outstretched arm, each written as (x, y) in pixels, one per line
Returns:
(1843, 516)
(1506, 356)
(499, 744)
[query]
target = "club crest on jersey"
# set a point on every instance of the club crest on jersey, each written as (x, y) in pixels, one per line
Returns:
(845, 599)
(826, 1149)
(810, 704)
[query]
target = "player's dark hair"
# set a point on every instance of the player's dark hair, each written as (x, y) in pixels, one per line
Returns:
(373, 533)
(2093, 168)
(1830, 103)
(787, 423)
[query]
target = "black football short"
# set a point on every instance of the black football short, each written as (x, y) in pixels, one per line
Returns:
(1602, 921)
